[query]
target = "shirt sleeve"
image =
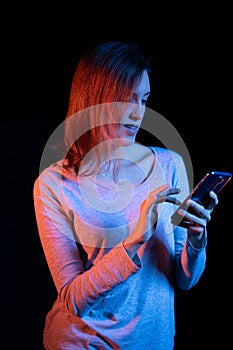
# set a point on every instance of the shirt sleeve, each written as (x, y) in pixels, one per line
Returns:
(79, 289)
(189, 261)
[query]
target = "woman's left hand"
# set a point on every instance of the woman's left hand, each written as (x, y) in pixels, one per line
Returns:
(196, 221)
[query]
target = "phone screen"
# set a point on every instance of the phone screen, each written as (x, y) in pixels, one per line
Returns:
(212, 181)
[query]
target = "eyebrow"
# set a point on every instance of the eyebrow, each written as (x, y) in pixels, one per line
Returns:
(146, 93)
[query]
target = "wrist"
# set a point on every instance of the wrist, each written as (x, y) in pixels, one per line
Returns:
(197, 240)
(131, 247)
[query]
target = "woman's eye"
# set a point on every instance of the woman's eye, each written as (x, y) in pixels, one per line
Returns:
(144, 102)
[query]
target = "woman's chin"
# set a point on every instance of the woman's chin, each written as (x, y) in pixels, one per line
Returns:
(125, 141)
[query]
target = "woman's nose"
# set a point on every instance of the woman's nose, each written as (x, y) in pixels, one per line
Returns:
(137, 112)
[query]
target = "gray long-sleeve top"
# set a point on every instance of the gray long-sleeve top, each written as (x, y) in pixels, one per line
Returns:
(105, 300)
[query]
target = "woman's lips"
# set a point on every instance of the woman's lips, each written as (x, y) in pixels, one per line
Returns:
(130, 128)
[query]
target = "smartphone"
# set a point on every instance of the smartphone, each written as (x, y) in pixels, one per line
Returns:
(212, 181)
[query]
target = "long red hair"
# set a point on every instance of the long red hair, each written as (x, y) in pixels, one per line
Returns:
(107, 73)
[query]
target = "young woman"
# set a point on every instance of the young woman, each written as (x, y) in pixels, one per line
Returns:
(104, 215)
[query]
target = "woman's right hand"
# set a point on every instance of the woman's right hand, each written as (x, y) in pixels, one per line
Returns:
(148, 217)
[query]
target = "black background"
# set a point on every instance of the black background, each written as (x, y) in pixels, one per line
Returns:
(191, 87)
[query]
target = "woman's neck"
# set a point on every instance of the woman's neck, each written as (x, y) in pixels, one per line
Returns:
(134, 166)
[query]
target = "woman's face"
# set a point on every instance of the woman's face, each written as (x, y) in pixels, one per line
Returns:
(131, 121)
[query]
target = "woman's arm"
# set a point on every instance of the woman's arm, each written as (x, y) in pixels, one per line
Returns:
(80, 290)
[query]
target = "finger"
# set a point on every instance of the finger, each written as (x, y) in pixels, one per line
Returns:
(164, 191)
(166, 196)
(213, 196)
(171, 200)
(155, 194)
(159, 195)
(199, 218)
(158, 190)
(172, 190)
(198, 210)
(195, 228)
(214, 200)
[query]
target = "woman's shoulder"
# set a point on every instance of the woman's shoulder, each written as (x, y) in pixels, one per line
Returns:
(51, 170)
(165, 153)
(53, 174)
